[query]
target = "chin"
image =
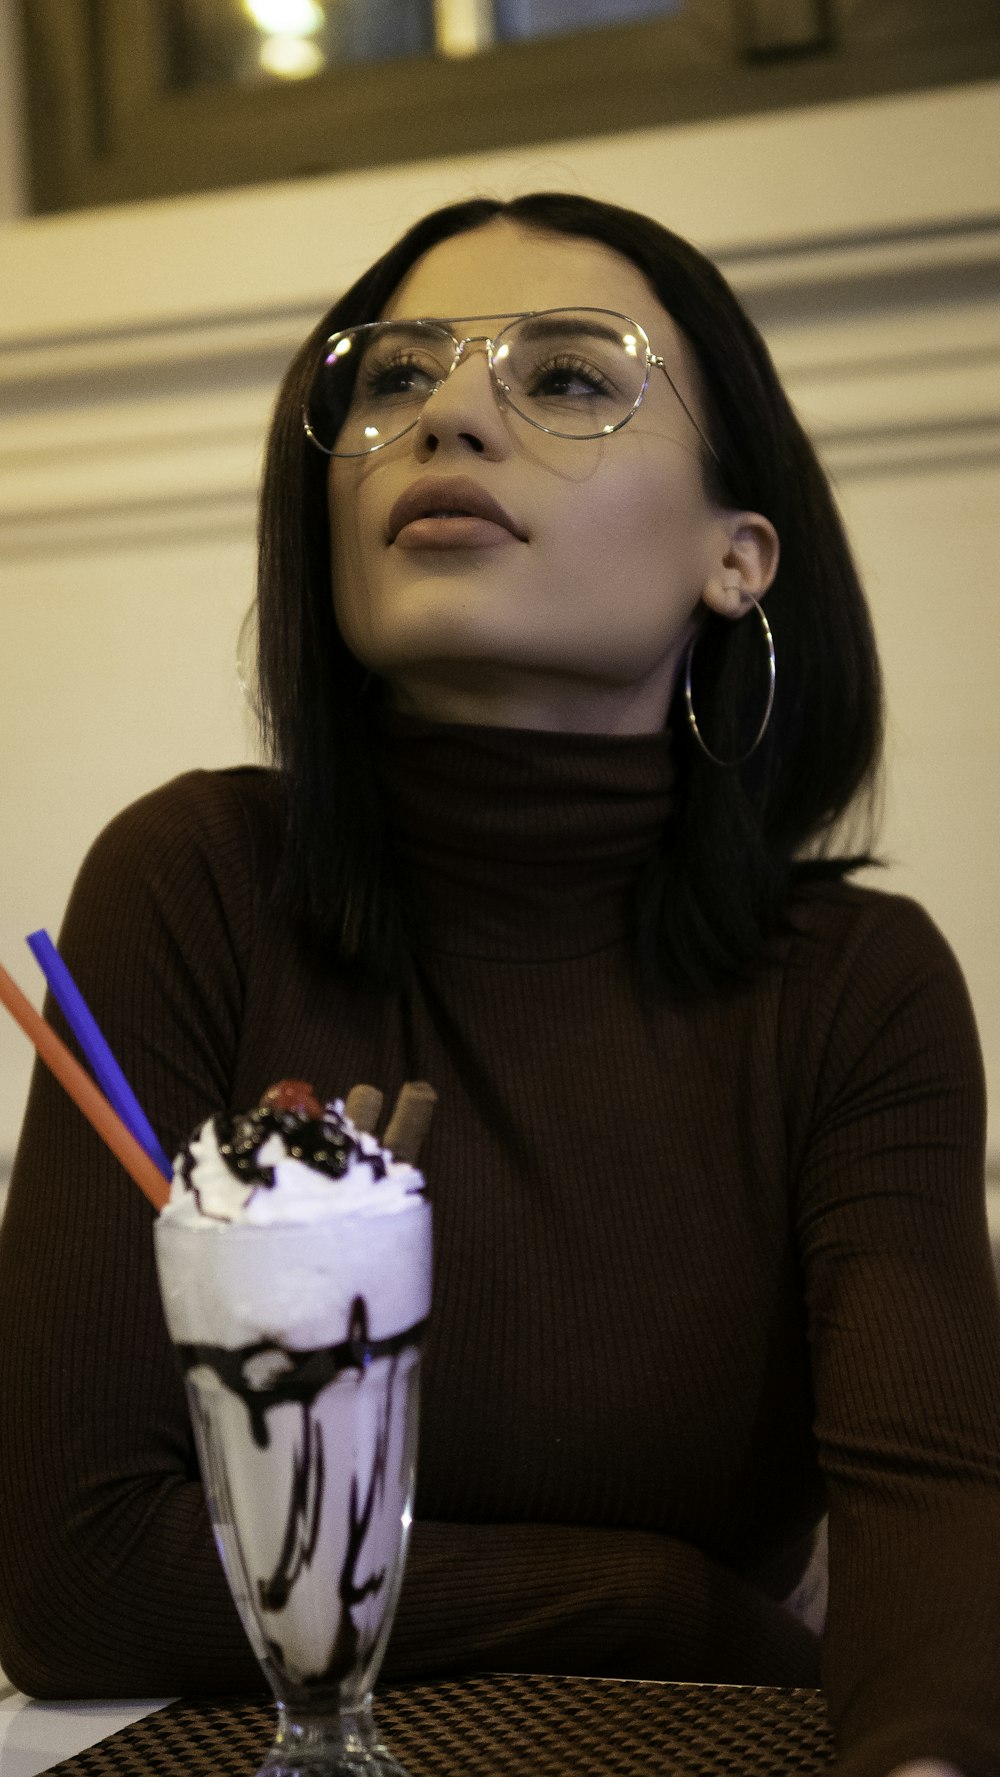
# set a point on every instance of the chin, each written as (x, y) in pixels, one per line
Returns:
(434, 624)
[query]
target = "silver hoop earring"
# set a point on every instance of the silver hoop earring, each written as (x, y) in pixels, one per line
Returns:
(693, 720)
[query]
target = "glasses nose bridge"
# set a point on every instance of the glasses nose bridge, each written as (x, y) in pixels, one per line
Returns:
(470, 339)
(459, 357)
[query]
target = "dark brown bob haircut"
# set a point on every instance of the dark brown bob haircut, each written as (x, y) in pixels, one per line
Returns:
(710, 904)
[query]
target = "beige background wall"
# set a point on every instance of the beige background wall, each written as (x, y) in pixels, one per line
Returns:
(139, 351)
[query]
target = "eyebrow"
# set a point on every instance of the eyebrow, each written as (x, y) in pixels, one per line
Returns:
(539, 324)
(559, 326)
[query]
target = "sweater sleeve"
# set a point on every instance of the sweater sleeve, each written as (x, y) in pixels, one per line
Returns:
(109, 1583)
(905, 1333)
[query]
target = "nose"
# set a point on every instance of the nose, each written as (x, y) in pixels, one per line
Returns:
(465, 411)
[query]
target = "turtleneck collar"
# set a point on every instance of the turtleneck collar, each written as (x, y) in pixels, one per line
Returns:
(521, 843)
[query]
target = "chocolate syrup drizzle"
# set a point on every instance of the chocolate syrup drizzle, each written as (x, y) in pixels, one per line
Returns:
(266, 1375)
(305, 1507)
(295, 1375)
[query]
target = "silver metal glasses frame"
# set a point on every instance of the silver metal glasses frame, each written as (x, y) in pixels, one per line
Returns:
(653, 361)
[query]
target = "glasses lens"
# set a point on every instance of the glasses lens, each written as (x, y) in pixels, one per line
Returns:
(578, 373)
(373, 381)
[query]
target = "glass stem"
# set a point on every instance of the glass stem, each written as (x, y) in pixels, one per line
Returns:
(321, 1741)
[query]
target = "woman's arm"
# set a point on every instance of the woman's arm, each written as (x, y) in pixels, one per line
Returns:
(905, 1334)
(102, 1519)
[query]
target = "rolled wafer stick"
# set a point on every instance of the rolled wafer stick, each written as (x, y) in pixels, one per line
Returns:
(84, 1093)
(410, 1120)
(364, 1107)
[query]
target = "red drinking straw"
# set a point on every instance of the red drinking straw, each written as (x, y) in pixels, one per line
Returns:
(84, 1093)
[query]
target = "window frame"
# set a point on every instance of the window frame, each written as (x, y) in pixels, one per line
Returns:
(93, 66)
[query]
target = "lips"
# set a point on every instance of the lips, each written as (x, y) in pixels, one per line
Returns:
(448, 499)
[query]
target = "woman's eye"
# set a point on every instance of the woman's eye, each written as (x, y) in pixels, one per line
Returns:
(568, 379)
(398, 376)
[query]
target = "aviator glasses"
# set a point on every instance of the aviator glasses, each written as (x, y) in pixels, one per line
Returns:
(574, 373)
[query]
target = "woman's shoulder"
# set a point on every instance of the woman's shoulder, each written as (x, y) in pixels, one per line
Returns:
(834, 913)
(859, 959)
(204, 802)
(231, 815)
(200, 849)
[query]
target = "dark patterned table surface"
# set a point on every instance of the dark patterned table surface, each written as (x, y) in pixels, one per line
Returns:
(498, 1725)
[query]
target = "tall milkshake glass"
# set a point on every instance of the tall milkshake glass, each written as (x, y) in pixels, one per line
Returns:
(300, 1343)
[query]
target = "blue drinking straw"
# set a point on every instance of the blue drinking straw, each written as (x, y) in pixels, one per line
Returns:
(85, 1028)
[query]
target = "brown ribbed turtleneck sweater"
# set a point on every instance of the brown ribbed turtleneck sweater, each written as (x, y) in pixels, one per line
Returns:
(700, 1272)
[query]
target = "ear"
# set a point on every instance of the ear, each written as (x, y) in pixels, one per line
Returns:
(748, 561)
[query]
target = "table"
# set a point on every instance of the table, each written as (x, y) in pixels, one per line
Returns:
(485, 1726)
(36, 1736)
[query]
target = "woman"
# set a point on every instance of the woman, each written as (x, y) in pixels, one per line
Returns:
(711, 1248)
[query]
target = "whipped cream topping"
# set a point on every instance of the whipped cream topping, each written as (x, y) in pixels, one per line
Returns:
(274, 1166)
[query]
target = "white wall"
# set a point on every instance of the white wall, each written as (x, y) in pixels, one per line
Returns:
(139, 349)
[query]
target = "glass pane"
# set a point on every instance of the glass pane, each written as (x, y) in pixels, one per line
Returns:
(246, 42)
(553, 18)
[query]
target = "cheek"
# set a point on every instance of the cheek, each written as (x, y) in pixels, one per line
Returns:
(639, 515)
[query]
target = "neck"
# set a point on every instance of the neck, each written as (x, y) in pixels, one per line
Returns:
(491, 697)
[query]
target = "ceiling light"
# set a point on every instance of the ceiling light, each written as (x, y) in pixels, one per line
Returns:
(291, 58)
(287, 18)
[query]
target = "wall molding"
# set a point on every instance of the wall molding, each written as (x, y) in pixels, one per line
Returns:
(889, 345)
